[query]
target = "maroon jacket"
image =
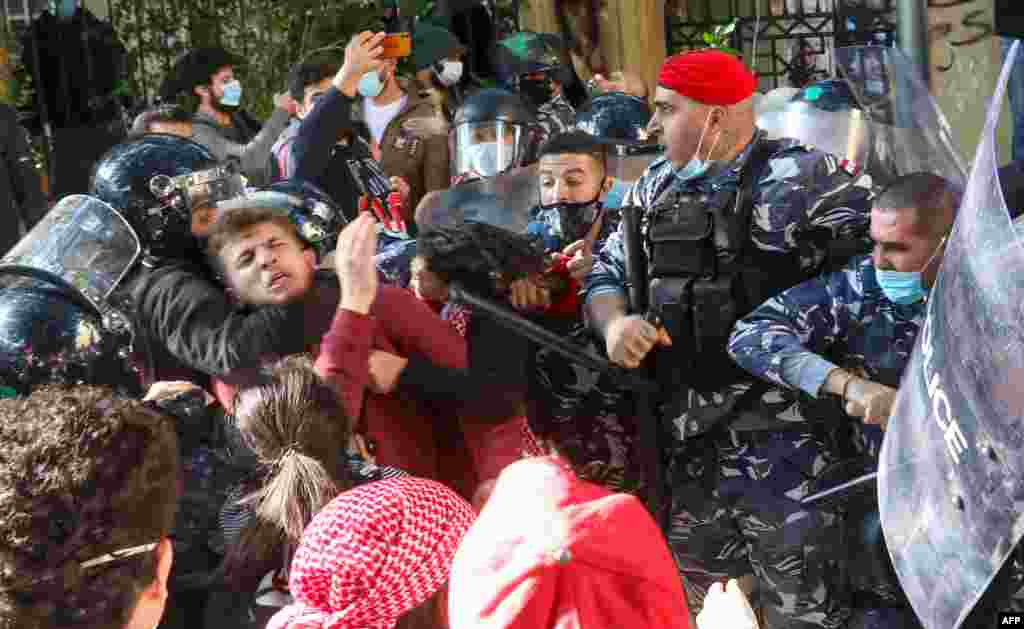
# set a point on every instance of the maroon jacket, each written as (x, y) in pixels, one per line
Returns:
(404, 430)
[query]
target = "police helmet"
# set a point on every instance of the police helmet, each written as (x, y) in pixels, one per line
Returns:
(492, 132)
(526, 53)
(156, 181)
(317, 218)
(618, 119)
(47, 336)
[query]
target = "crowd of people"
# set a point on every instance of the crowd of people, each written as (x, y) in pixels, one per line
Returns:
(337, 413)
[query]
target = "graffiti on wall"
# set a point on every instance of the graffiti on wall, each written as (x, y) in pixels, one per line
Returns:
(953, 30)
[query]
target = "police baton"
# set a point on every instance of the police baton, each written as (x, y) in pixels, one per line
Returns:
(522, 326)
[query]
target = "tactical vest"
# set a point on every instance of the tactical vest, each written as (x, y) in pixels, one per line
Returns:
(704, 273)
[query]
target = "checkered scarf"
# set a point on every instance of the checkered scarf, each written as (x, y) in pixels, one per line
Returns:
(459, 315)
(373, 554)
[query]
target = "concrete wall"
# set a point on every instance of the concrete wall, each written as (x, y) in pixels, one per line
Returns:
(98, 8)
(965, 64)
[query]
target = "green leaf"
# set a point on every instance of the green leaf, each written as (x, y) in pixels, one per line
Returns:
(709, 39)
(729, 28)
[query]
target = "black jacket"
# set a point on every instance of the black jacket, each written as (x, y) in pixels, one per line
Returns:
(185, 321)
(80, 64)
(21, 196)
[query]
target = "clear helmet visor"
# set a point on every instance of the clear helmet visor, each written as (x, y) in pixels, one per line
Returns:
(486, 149)
(83, 245)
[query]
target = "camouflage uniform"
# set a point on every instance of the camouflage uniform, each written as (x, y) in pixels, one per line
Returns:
(840, 319)
(556, 116)
(583, 411)
(793, 340)
(735, 493)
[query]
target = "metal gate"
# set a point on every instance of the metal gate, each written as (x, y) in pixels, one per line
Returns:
(794, 38)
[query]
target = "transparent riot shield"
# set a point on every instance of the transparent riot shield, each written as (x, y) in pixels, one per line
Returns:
(503, 201)
(82, 245)
(506, 200)
(951, 477)
(878, 115)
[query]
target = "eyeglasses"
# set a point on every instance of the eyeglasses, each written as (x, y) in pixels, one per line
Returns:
(106, 558)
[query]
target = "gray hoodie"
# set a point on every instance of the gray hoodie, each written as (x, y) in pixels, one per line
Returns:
(253, 155)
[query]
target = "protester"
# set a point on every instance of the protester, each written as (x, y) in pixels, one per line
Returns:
(387, 104)
(437, 58)
(264, 262)
(203, 82)
(550, 550)
(378, 555)
(307, 454)
(307, 84)
(331, 149)
(87, 499)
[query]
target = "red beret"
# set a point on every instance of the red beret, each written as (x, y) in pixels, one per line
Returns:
(708, 76)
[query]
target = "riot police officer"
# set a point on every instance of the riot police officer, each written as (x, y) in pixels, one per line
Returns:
(493, 132)
(538, 66)
(727, 218)
(849, 334)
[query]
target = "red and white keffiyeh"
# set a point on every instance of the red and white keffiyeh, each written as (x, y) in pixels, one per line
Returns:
(373, 554)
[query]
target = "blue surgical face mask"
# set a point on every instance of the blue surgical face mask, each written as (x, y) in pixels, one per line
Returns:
(370, 86)
(697, 166)
(613, 200)
(901, 287)
(232, 94)
(905, 287)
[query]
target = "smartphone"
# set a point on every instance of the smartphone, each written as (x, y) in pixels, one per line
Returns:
(396, 45)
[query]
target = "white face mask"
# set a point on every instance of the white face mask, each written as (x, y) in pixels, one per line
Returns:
(483, 159)
(450, 73)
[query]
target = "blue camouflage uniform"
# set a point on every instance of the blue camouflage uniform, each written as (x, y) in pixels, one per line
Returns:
(841, 319)
(735, 492)
(583, 411)
(556, 116)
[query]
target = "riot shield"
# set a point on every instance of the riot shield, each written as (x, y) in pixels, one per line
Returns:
(506, 200)
(82, 245)
(951, 478)
(879, 116)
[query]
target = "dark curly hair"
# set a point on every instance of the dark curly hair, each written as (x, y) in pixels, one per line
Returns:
(479, 256)
(83, 473)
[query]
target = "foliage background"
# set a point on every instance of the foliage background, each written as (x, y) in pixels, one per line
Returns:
(270, 35)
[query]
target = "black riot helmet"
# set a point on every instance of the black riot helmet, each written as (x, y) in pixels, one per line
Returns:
(156, 181)
(48, 337)
(316, 216)
(492, 132)
(59, 320)
(619, 120)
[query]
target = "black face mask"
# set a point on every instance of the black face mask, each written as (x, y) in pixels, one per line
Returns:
(576, 219)
(536, 91)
